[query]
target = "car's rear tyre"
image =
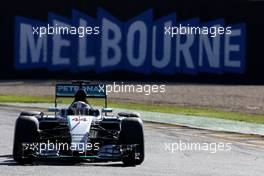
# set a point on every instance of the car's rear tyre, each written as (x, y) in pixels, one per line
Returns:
(26, 131)
(132, 133)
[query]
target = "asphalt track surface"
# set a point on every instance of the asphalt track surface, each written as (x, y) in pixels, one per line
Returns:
(246, 157)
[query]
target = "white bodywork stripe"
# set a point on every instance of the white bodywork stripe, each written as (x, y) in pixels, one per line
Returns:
(79, 129)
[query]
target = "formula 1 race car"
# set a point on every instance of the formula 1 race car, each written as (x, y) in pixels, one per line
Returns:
(79, 132)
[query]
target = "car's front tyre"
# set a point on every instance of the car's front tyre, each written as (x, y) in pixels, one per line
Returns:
(132, 133)
(26, 132)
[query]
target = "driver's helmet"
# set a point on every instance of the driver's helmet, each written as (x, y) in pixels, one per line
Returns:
(80, 95)
(79, 108)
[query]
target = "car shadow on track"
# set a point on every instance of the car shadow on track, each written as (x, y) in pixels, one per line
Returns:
(7, 160)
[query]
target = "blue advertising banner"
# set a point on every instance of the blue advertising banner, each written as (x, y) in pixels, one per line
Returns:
(142, 45)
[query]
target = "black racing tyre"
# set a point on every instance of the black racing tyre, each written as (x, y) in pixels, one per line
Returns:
(132, 133)
(128, 114)
(30, 113)
(26, 131)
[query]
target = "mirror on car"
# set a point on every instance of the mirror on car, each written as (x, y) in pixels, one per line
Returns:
(53, 109)
(107, 110)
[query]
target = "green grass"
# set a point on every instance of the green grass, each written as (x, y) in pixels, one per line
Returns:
(210, 113)
(26, 99)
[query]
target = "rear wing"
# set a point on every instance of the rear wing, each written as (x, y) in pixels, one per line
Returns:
(91, 90)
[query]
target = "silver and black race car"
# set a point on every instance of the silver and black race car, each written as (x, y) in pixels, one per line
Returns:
(79, 132)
